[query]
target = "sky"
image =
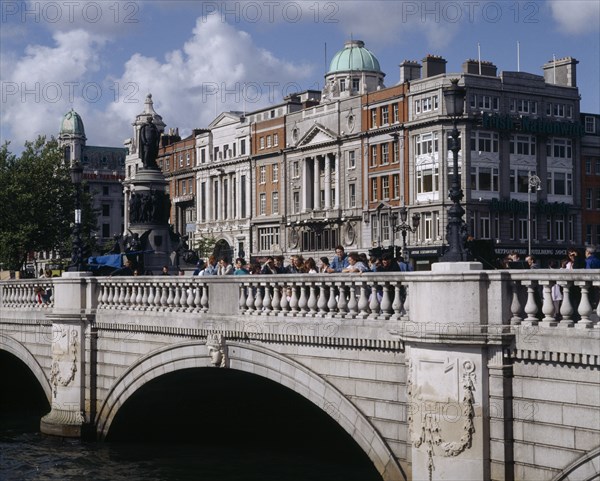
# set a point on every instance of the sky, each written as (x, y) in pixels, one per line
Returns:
(200, 58)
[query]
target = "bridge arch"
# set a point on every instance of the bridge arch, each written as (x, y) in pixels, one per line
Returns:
(17, 349)
(262, 362)
(584, 468)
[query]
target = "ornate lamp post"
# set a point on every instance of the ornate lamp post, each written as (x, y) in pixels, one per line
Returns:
(454, 98)
(77, 252)
(533, 182)
(404, 227)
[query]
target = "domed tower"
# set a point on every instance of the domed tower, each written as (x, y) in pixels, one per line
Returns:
(72, 136)
(354, 70)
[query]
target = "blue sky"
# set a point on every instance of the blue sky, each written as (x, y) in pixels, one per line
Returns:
(199, 58)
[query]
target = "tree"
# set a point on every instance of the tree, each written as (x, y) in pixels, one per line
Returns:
(37, 203)
(205, 246)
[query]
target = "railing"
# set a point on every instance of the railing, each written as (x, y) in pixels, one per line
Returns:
(345, 296)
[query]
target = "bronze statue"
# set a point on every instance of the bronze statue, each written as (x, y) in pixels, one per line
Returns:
(149, 141)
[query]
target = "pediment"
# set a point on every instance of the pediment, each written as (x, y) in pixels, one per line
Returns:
(225, 118)
(317, 134)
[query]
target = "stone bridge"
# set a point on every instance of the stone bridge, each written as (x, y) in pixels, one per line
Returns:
(458, 373)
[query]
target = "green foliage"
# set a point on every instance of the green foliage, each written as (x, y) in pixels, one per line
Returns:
(37, 203)
(205, 246)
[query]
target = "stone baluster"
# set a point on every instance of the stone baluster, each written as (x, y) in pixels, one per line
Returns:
(566, 308)
(242, 301)
(386, 302)
(374, 300)
(352, 302)
(332, 301)
(285, 303)
(112, 298)
(397, 304)
(585, 306)
(191, 290)
(204, 300)
(363, 301)
(121, 298)
(322, 303)
(105, 296)
(133, 297)
(531, 308)
(176, 297)
(276, 302)
(548, 306)
(198, 297)
(250, 299)
(144, 303)
(294, 301)
(515, 306)
(100, 295)
(258, 301)
(312, 301)
(157, 297)
(303, 301)
(150, 300)
(138, 298)
(342, 302)
(164, 296)
(170, 297)
(267, 300)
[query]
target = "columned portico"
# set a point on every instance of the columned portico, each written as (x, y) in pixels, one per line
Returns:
(327, 181)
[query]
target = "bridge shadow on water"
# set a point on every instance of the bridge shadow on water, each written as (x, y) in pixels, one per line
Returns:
(229, 424)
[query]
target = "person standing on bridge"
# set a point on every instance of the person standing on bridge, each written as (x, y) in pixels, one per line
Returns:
(340, 260)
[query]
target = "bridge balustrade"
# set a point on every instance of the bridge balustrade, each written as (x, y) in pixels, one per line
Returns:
(366, 296)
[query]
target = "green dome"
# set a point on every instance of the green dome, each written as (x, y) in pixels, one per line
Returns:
(354, 56)
(72, 124)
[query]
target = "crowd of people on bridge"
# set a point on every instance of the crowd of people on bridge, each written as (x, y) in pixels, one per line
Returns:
(342, 262)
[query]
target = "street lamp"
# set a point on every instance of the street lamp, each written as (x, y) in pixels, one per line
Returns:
(533, 182)
(454, 99)
(404, 227)
(77, 251)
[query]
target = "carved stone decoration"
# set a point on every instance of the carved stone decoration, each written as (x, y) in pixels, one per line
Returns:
(350, 236)
(428, 429)
(64, 348)
(217, 350)
(294, 238)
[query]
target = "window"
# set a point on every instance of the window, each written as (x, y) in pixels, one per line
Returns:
(396, 153)
(560, 183)
(269, 141)
(190, 186)
(351, 159)
(275, 140)
(374, 190)
(426, 143)
(275, 172)
(427, 177)
(296, 202)
(373, 160)
(519, 180)
(589, 198)
(385, 115)
(522, 144)
(243, 147)
(295, 169)
(396, 186)
(203, 156)
(268, 237)
(105, 210)
(262, 143)
(484, 141)
(385, 187)
(484, 178)
(180, 160)
(262, 208)
(559, 228)
(352, 195)
(523, 228)
(558, 110)
(216, 153)
(526, 106)
(385, 227)
(373, 118)
(590, 124)
(395, 115)
(262, 176)
(427, 226)
(385, 154)
(355, 84)
(105, 230)
(234, 145)
(417, 106)
(183, 187)
(342, 85)
(588, 166)
(203, 201)
(484, 227)
(187, 158)
(559, 148)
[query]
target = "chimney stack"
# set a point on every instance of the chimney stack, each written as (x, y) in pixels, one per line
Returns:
(409, 70)
(564, 70)
(433, 65)
(487, 68)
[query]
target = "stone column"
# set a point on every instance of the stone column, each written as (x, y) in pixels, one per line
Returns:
(248, 199)
(69, 416)
(126, 194)
(338, 177)
(327, 182)
(316, 185)
(305, 185)
(208, 199)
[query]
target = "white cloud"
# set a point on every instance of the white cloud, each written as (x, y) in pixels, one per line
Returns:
(207, 76)
(576, 16)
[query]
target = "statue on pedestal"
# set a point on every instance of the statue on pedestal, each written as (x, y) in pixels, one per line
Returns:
(149, 142)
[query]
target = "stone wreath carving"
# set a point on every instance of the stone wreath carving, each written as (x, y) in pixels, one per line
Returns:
(430, 432)
(215, 343)
(56, 376)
